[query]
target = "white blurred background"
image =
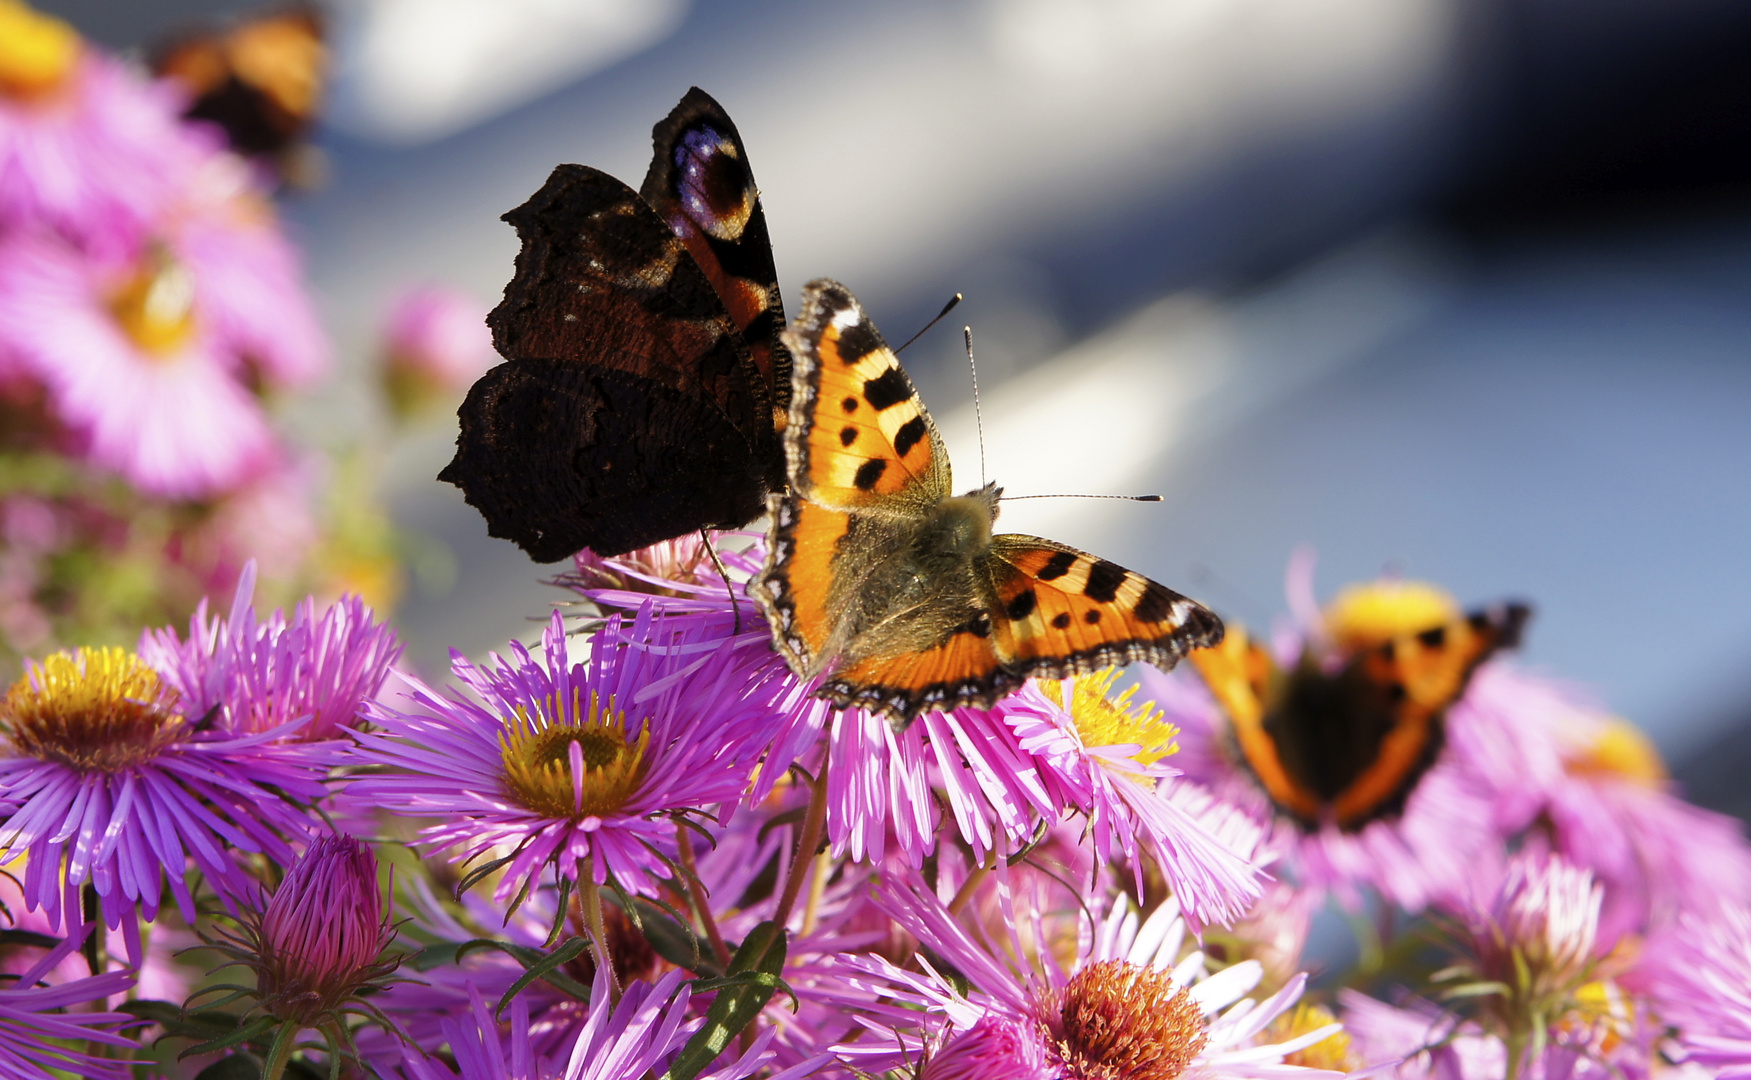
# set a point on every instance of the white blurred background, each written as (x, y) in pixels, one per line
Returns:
(1457, 288)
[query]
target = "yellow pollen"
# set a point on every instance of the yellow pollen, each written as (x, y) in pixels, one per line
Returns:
(1333, 1052)
(1621, 750)
(1376, 611)
(37, 51)
(93, 709)
(1104, 721)
(156, 306)
(537, 756)
(1121, 1021)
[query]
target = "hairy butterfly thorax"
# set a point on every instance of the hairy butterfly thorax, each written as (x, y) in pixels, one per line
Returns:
(895, 592)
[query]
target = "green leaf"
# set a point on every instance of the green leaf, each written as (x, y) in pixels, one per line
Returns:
(676, 942)
(261, 1025)
(758, 964)
(543, 968)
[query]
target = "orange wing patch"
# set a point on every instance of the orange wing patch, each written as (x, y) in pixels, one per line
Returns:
(964, 665)
(1239, 674)
(796, 591)
(1421, 674)
(1062, 612)
(868, 436)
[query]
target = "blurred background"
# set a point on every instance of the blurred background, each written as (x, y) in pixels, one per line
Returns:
(1454, 288)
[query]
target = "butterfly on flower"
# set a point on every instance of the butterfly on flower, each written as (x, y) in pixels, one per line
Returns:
(644, 380)
(893, 590)
(1345, 735)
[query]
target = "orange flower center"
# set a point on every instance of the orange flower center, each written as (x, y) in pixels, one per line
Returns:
(1122, 1021)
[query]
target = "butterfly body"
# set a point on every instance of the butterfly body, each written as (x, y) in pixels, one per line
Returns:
(640, 395)
(1345, 736)
(896, 593)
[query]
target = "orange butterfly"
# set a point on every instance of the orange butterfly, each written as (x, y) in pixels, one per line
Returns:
(1346, 741)
(880, 579)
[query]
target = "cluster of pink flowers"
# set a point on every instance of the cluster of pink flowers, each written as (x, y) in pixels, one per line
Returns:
(645, 848)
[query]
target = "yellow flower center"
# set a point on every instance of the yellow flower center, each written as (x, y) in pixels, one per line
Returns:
(1121, 1021)
(1376, 611)
(37, 52)
(156, 306)
(1104, 721)
(546, 774)
(1334, 1052)
(1621, 750)
(97, 709)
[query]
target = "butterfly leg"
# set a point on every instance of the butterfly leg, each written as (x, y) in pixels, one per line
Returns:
(723, 572)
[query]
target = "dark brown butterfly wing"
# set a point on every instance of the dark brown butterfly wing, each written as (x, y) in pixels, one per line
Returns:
(701, 185)
(629, 410)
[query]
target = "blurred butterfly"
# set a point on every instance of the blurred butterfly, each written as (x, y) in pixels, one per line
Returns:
(1344, 737)
(260, 80)
(644, 381)
(881, 580)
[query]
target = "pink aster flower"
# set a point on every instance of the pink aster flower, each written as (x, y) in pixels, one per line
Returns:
(436, 343)
(145, 387)
(1696, 973)
(45, 1030)
(261, 675)
(638, 1036)
(87, 147)
(114, 785)
(1596, 790)
(1107, 759)
(1132, 1003)
(577, 767)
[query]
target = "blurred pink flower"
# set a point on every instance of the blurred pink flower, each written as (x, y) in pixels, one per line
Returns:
(131, 368)
(435, 344)
(96, 158)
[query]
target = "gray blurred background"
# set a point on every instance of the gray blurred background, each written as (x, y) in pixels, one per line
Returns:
(1460, 288)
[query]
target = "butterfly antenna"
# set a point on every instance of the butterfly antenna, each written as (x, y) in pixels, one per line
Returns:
(978, 417)
(946, 308)
(723, 572)
(1127, 498)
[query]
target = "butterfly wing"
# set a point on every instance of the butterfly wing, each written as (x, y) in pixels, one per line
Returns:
(261, 81)
(662, 409)
(1412, 680)
(1062, 612)
(1247, 685)
(701, 184)
(864, 462)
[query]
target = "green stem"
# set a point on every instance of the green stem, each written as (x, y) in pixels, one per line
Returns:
(968, 887)
(280, 1052)
(814, 824)
(592, 897)
(696, 896)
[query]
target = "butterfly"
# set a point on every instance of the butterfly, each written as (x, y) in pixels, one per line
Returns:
(1345, 738)
(645, 380)
(893, 589)
(260, 81)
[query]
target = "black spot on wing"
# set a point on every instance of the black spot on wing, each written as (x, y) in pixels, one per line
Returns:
(1057, 566)
(1092, 616)
(1022, 605)
(857, 341)
(847, 435)
(909, 435)
(1061, 620)
(1434, 637)
(886, 390)
(849, 405)
(1155, 604)
(869, 473)
(1104, 579)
